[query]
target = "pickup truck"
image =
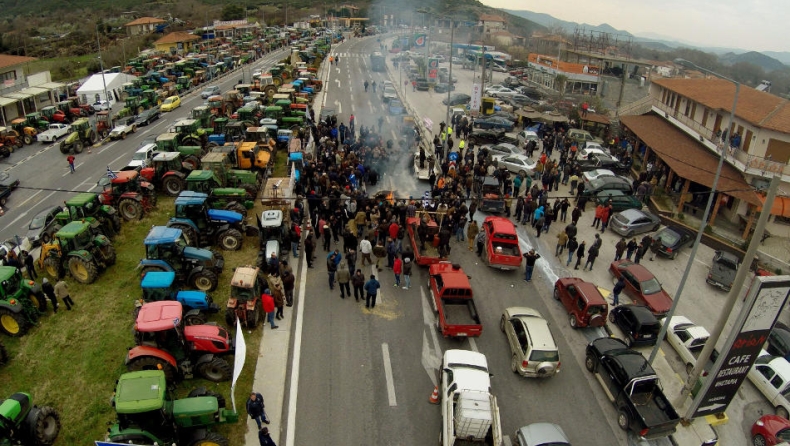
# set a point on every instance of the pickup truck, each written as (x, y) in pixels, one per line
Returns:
(470, 414)
(453, 302)
(723, 269)
(633, 388)
(490, 196)
(422, 231)
(687, 338)
(54, 132)
(501, 249)
(771, 376)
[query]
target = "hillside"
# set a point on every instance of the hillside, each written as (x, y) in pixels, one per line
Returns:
(552, 22)
(767, 63)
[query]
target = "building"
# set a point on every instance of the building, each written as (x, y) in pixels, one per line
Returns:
(20, 93)
(492, 23)
(685, 127)
(580, 78)
(143, 25)
(176, 42)
(507, 38)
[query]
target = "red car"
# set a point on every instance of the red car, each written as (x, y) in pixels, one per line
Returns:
(583, 301)
(770, 430)
(642, 286)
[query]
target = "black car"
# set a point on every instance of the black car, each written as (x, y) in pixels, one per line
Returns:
(596, 161)
(43, 225)
(668, 241)
(637, 323)
(442, 88)
(599, 184)
(457, 99)
(503, 114)
(494, 122)
(779, 341)
(486, 136)
(147, 117)
(7, 185)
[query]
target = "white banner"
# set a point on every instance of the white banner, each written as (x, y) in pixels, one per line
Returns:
(477, 93)
(238, 362)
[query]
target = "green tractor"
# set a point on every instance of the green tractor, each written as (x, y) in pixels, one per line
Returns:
(36, 121)
(221, 161)
(24, 423)
(202, 114)
(189, 133)
(77, 247)
(183, 83)
(147, 413)
(168, 142)
(82, 135)
(86, 206)
(229, 198)
(21, 302)
(134, 104)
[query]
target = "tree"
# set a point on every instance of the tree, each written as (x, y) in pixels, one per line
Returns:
(559, 83)
(232, 12)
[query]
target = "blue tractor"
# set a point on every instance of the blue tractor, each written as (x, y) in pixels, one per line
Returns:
(167, 250)
(203, 226)
(160, 285)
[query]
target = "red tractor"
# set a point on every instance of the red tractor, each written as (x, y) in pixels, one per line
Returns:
(87, 109)
(104, 123)
(129, 194)
(182, 351)
(168, 172)
(52, 114)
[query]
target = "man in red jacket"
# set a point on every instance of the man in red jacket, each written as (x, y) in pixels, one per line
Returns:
(268, 306)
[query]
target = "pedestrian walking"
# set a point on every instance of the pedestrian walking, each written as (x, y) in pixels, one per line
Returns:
(49, 292)
(406, 273)
(562, 240)
(365, 248)
(580, 254)
(264, 438)
(529, 266)
(358, 280)
(397, 269)
(598, 214)
(471, 233)
(371, 290)
(62, 293)
(309, 248)
(576, 214)
(366, 86)
(331, 269)
(630, 248)
(572, 246)
(70, 160)
(618, 288)
(539, 223)
(592, 254)
(380, 252)
(480, 241)
(620, 248)
(289, 281)
(256, 409)
(278, 294)
(268, 306)
(344, 279)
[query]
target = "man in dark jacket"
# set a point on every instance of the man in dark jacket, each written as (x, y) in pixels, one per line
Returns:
(49, 291)
(358, 281)
(255, 409)
(264, 438)
(288, 287)
(371, 289)
(531, 257)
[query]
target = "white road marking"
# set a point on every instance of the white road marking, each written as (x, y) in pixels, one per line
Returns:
(473, 345)
(31, 197)
(353, 110)
(17, 219)
(297, 356)
(385, 352)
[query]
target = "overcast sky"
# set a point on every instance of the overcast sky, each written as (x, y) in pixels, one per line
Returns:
(758, 25)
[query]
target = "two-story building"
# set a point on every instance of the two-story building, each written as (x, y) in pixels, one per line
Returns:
(492, 23)
(686, 127)
(143, 25)
(178, 42)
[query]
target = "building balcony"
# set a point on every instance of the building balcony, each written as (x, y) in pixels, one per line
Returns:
(745, 162)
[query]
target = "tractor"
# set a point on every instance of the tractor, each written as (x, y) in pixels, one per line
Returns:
(272, 237)
(204, 226)
(129, 194)
(21, 302)
(52, 114)
(189, 133)
(104, 123)
(168, 142)
(147, 413)
(161, 285)
(82, 135)
(166, 249)
(36, 121)
(86, 206)
(245, 303)
(9, 141)
(26, 132)
(229, 198)
(164, 342)
(87, 109)
(71, 112)
(22, 422)
(79, 249)
(167, 172)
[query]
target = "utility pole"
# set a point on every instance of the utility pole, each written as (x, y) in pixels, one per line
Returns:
(101, 67)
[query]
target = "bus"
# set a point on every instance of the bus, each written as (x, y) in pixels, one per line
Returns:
(377, 62)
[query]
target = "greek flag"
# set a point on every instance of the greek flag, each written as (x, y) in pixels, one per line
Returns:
(110, 174)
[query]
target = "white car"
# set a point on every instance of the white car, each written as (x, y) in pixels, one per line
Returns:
(687, 338)
(101, 105)
(495, 88)
(122, 131)
(456, 60)
(525, 136)
(584, 154)
(55, 131)
(519, 164)
(499, 68)
(142, 157)
(771, 376)
(501, 92)
(597, 173)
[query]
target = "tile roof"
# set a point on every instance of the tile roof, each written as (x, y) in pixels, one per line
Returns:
(7, 60)
(756, 107)
(176, 37)
(687, 157)
(491, 18)
(144, 21)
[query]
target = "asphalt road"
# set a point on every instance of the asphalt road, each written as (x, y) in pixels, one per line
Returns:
(366, 376)
(44, 172)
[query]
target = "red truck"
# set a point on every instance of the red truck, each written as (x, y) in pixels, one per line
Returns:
(423, 233)
(501, 249)
(453, 301)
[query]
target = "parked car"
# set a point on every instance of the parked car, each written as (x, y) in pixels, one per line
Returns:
(541, 434)
(520, 100)
(456, 60)
(723, 268)
(597, 161)
(668, 241)
(170, 104)
(771, 375)
(620, 201)
(770, 430)
(534, 351)
(210, 91)
(490, 91)
(43, 225)
(583, 301)
(504, 148)
(779, 341)
(526, 136)
(518, 164)
(687, 338)
(388, 94)
(122, 131)
(494, 123)
(631, 222)
(503, 92)
(457, 99)
(142, 157)
(642, 286)
(582, 136)
(585, 153)
(637, 323)
(597, 173)
(498, 68)
(54, 132)
(486, 136)
(593, 187)
(101, 105)
(443, 87)
(147, 117)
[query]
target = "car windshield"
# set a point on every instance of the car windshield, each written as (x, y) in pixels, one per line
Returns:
(668, 237)
(38, 221)
(544, 355)
(140, 156)
(650, 286)
(169, 100)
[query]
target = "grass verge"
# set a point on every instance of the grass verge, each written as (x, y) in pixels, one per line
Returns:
(72, 359)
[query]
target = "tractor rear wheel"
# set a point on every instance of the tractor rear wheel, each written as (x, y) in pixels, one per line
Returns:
(230, 317)
(190, 234)
(216, 370)
(108, 254)
(202, 391)
(192, 161)
(78, 146)
(254, 317)
(92, 137)
(83, 271)
(152, 363)
(173, 185)
(115, 222)
(251, 189)
(12, 324)
(205, 281)
(27, 139)
(195, 319)
(211, 439)
(231, 240)
(104, 133)
(235, 206)
(43, 425)
(39, 301)
(52, 267)
(130, 209)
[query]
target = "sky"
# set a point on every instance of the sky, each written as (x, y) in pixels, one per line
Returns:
(758, 25)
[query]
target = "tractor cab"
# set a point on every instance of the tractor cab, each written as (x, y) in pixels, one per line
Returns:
(159, 325)
(202, 113)
(52, 114)
(37, 121)
(272, 233)
(244, 304)
(78, 248)
(193, 206)
(86, 206)
(273, 112)
(236, 131)
(161, 286)
(140, 400)
(167, 142)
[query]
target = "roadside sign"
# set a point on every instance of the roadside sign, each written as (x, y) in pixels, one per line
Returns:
(477, 93)
(766, 298)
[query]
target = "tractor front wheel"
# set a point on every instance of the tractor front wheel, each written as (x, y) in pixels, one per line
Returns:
(43, 424)
(39, 301)
(205, 281)
(216, 370)
(235, 206)
(83, 271)
(254, 317)
(12, 324)
(173, 185)
(192, 161)
(28, 140)
(108, 254)
(115, 222)
(231, 240)
(211, 439)
(130, 209)
(152, 363)
(230, 317)
(195, 319)
(78, 146)
(52, 267)
(104, 133)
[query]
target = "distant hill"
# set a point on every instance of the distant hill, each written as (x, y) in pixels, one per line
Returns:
(781, 56)
(550, 21)
(767, 63)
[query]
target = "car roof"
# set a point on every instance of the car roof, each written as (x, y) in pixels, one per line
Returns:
(640, 312)
(542, 434)
(680, 230)
(639, 272)
(633, 214)
(590, 292)
(613, 192)
(147, 147)
(501, 225)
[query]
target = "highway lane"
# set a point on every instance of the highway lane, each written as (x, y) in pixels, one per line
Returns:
(44, 174)
(344, 370)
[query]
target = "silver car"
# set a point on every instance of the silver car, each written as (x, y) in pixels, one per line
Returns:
(631, 222)
(540, 434)
(504, 148)
(43, 225)
(519, 164)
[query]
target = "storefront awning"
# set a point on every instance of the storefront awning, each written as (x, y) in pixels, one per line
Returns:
(51, 85)
(7, 101)
(781, 206)
(35, 91)
(687, 157)
(18, 95)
